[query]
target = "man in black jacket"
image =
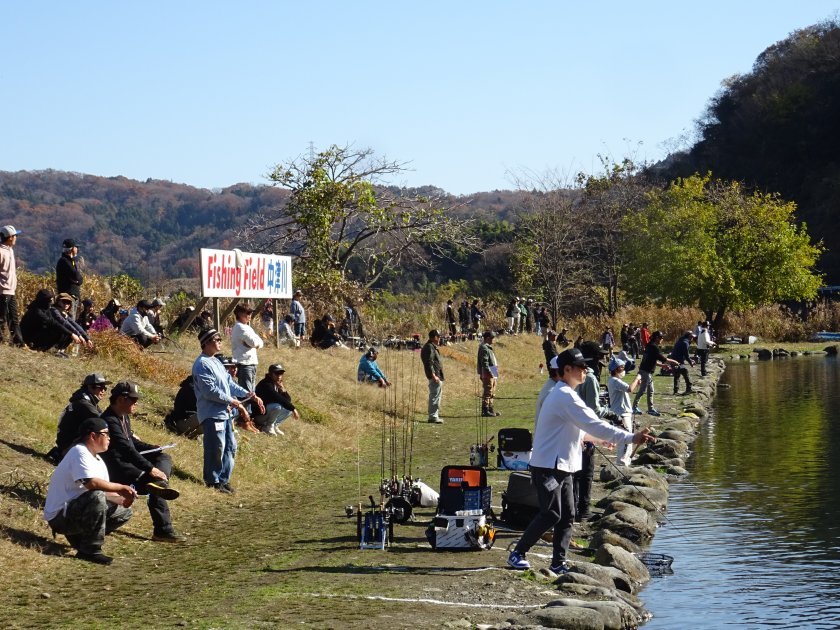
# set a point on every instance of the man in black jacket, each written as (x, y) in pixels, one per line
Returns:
(68, 278)
(148, 473)
(432, 365)
(84, 404)
(277, 401)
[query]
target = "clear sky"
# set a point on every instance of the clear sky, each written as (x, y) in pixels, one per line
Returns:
(214, 93)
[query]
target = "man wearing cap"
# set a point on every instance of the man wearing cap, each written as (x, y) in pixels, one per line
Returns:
(488, 372)
(216, 394)
(138, 327)
(297, 311)
(244, 343)
(651, 357)
(562, 423)
(368, 370)
(433, 367)
(82, 502)
(68, 277)
(9, 317)
(278, 403)
(148, 473)
(590, 392)
(45, 326)
(704, 344)
(84, 404)
(681, 353)
(620, 405)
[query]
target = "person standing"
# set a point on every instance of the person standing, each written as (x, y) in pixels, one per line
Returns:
(68, 277)
(450, 317)
(563, 421)
(549, 346)
(297, 311)
(433, 367)
(245, 342)
(82, 502)
(620, 405)
(147, 472)
(651, 357)
(216, 393)
(704, 344)
(9, 314)
(488, 372)
(681, 353)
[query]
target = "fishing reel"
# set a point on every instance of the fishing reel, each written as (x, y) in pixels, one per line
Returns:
(480, 453)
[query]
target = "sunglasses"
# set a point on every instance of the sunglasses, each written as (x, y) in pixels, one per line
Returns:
(105, 432)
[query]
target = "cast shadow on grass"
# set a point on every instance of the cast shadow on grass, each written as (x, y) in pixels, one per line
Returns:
(365, 570)
(183, 475)
(31, 495)
(31, 540)
(25, 450)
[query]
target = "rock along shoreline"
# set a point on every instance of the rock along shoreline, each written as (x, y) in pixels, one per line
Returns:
(601, 591)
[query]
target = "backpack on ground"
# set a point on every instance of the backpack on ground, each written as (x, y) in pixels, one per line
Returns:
(514, 449)
(519, 501)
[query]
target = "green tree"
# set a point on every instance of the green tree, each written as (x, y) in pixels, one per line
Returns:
(343, 223)
(707, 243)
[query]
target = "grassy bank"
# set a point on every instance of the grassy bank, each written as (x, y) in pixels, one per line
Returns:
(281, 550)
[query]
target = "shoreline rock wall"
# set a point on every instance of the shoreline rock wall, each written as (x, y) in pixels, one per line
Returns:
(601, 591)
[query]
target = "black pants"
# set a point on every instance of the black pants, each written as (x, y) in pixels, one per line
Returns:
(583, 482)
(681, 370)
(557, 510)
(704, 357)
(9, 318)
(88, 519)
(158, 508)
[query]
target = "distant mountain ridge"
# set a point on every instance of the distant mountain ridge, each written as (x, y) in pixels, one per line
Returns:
(151, 230)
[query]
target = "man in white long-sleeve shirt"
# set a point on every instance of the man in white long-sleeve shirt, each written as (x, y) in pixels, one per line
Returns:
(244, 343)
(562, 423)
(138, 327)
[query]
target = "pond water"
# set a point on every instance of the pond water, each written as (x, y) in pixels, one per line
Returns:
(755, 530)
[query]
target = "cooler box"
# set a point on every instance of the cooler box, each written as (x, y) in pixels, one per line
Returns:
(466, 531)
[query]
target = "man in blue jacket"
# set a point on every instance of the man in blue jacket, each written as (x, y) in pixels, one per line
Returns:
(682, 355)
(216, 393)
(369, 371)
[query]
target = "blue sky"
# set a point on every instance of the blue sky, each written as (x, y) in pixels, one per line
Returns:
(215, 93)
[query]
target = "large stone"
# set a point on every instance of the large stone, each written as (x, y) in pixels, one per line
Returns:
(568, 617)
(682, 424)
(608, 537)
(666, 447)
(605, 575)
(763, 354)
(612, 556)
(676, 471)
(673, 434)
(648, 457)
(697, 410)
(615, 614)
(650, 499)
(628, 521)
(580, 578)
(586, 590)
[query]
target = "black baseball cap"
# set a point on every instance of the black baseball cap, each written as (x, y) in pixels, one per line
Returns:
(572, 356)
(91, 425)
(97, 378)
(126, 388)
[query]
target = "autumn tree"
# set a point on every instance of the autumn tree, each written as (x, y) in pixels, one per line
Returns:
(707, 243)
(607, 198)
(343, 223)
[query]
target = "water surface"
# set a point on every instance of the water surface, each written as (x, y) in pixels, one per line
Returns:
(755, 531)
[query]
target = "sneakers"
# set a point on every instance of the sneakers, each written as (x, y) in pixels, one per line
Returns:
(560, 568)
(653, 412)
(169, 537)
(518, 561)
(490, 414)
(435, 421)
(278, 431)
(636, 410)
(96, 558)
(272, 430)
(224, 488)
(161, 491)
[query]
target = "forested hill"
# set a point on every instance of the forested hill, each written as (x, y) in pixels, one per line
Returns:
(151, 230)
(777, 129)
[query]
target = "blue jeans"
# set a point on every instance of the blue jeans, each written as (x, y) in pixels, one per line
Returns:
(219, 450)
(435, 391)
(246, 376)
(275, 413)
(300, 329)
